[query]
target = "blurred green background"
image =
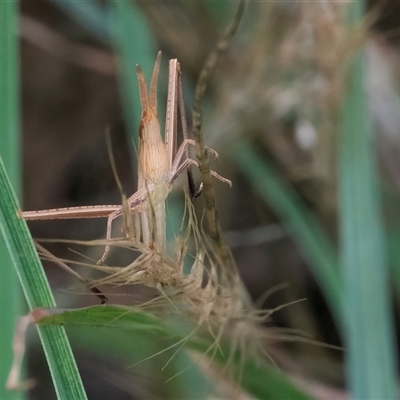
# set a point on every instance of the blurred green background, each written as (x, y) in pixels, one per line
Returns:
(287, 110)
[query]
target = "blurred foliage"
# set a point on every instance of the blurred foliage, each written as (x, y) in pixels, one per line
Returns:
(279, 90)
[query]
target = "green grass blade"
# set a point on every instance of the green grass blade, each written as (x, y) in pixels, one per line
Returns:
(9, 91)
(10, 293)
(259, 379)
(369, 323)
(37, 292)
(130, 347)
(299, 221)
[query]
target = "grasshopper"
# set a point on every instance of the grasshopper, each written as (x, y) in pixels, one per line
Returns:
(159, 164)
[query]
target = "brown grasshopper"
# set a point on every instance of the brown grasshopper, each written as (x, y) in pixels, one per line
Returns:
(159, 164)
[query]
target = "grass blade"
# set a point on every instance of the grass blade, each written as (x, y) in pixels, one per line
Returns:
(37, 292)
(259, 379)
(369, 322)
(9, 141)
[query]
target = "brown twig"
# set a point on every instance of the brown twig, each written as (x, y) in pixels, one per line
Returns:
(201, 152)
